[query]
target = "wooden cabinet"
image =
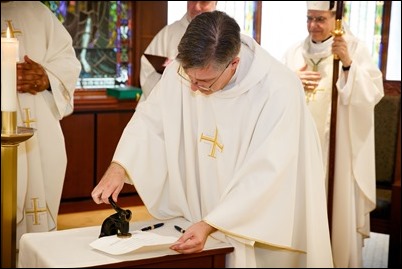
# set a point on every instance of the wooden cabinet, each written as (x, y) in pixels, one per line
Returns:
(149, 17)
(79, 134)
(94, 129)
(91, 135)
(110, 126)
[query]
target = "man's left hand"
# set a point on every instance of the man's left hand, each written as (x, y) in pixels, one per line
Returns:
(340, 48)
(193, 240)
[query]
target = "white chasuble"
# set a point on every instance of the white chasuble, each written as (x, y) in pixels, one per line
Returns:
(246, 160)
(42, 159)
(354, 180)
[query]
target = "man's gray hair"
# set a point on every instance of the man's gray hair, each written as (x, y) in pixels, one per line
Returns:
(211, 38)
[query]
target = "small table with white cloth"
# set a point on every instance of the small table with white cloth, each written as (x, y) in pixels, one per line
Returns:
(71, 248)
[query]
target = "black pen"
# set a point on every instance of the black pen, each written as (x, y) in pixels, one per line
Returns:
(152, 227)
(179, 229)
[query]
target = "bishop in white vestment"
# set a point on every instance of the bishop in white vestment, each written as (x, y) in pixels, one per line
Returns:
(42, 159)
(360, 88)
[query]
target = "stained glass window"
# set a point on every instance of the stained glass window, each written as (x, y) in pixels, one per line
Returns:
(365, 21)
(101, 33)
(243, 12)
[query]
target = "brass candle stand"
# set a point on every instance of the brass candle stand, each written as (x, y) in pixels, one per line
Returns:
(11, 137)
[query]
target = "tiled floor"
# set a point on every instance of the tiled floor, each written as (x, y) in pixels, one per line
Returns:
(375, 251)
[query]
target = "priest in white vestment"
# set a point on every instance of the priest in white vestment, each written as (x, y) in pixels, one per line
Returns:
(47, 75)
(226, 141)
(360, 88)
(165, 43)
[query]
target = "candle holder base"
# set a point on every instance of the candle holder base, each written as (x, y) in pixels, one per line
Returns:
(21, 134)
(11, 137)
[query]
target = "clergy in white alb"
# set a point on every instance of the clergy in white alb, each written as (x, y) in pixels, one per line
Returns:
(165, 43)
(42, 159)
(245, 159)
(359, 88)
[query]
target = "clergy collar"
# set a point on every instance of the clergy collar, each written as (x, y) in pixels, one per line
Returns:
(320, 50)
(321, 41)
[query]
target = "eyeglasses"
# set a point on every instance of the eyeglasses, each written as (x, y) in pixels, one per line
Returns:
(183, 75)
(319, 19)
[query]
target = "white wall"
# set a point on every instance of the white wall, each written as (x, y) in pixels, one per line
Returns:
(176, 10)
(282, 25)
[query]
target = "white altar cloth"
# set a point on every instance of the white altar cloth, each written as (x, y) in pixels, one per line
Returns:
(70, 248)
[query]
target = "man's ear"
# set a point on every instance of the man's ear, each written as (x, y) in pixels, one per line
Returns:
(235, 62)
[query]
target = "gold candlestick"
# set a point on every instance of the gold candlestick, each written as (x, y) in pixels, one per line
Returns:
(11, 137)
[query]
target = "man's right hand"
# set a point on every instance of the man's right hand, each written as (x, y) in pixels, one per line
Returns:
(111, 184)
(310, 79)
(31, 77)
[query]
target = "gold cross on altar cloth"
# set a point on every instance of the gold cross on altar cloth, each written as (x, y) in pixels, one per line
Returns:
(214, 141)
(35, 211)
(11, 29)
(28, 120)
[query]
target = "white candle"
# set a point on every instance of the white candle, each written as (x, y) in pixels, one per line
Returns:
(9, 58)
